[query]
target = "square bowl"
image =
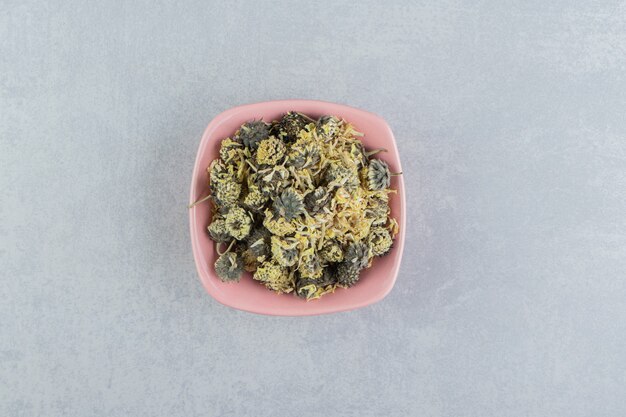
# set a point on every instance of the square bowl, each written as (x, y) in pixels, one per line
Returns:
(249, 295)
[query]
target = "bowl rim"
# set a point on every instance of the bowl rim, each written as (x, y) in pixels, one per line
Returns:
(202, 269)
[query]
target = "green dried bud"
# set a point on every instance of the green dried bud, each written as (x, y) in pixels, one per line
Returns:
(310, 267)
(289, 204)
(219, 171)
(290, 125)
(255, 200)
(238, 223)
(357, 254)
(226, 191)
(315, 201)
(274, 276)
(379, 241)
(270, 151)
(229, 149)
(229, 267)
(306, 288)
(217, 230)
(331, 251)
(285, 251)
(348, 274)
(378, 175)
(251, 133)
(338, 175)
(327, 127)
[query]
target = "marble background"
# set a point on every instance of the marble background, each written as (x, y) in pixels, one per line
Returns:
(511, 120)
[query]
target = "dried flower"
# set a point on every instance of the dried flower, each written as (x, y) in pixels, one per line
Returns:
(348, 274)
(290, 126)
(278, 226)
(251, 133)
(271, 181)
(255, 200)
(285, 250)
(238, 223)
(289, 204)
(270, 151)
(379, 241)
(357, 254)
(378, 175)
(227, 191)
(310, 267)
(378, 209)
(331, 251)
(304, 152)
(218, 231)
(338, 175)
(229, 150)
(274, 276)
(315, 200)
(306, 288)
(229, 267)
(327, 127)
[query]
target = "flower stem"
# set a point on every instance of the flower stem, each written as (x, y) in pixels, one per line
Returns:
(202, 200)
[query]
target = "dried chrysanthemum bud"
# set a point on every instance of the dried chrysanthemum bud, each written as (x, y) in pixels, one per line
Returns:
(310, 267)
(331, 251)
(357, 254)
(251, 133)
(271, 181)
(304, 152)
(378, 209)
(258, 241)
(270, 151)
(256, 248)
(378, 175)
(219, 171)
(329, 276)
(278, 226)
(347, 274)
(357, 153)
(218, 231)
(306, 288)
(379, 241)
(315, 201)
(338, 175)
(274, 276)
(327, 127)
(285, 251)
(229, 267)
(226, 191)
(290, 125)
(289, 204)
(229, 149)
(255, 200)
(238, 223)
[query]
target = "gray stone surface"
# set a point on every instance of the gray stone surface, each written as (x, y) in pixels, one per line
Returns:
(511, 120)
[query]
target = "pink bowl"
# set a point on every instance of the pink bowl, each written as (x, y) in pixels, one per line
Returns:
(249, 295)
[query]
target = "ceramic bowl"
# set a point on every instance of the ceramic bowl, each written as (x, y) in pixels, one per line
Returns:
(249, 295)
